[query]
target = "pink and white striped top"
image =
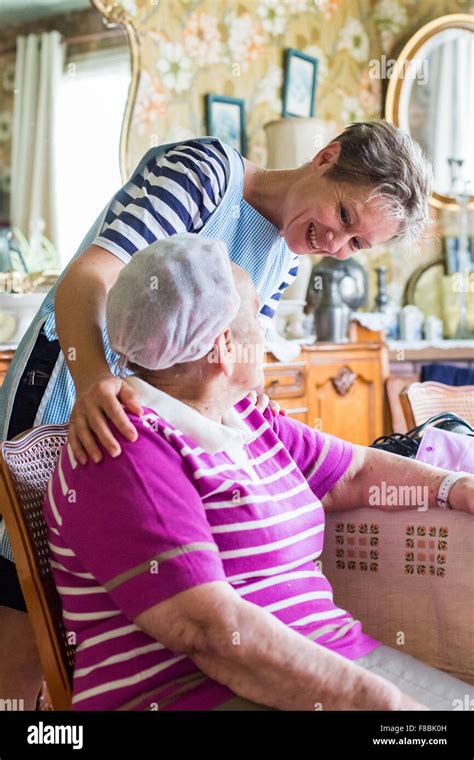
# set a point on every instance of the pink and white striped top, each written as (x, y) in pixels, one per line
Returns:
(237, 502)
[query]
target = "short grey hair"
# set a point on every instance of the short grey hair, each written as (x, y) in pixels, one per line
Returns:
(389, 163)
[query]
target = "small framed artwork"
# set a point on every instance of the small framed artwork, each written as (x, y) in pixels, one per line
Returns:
(301, 72)
(226, 120)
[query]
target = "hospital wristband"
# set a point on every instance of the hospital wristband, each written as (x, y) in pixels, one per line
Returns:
(445, 487)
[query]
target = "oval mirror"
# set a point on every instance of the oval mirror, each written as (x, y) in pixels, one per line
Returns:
(430, 95)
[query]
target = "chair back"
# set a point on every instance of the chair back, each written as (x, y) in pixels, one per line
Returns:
(423, 400)
(26, 464)
(395, 385)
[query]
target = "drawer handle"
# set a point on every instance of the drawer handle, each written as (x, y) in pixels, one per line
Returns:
(298, 379)
(344, 381)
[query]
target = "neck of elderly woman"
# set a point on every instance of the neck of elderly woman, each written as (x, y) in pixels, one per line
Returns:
(199, 384)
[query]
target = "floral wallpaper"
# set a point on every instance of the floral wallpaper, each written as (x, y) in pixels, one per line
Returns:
(189, 48)
(192, 47)
(235, 48)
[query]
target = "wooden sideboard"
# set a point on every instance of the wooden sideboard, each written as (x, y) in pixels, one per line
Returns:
(338, 388)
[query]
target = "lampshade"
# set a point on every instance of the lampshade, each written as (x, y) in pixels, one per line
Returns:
(292, 141)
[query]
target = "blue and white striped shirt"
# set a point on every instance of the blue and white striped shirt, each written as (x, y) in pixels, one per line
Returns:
(191, 186)
(175, 193)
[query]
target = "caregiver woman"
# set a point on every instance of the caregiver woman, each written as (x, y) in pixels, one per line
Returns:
(370, 185)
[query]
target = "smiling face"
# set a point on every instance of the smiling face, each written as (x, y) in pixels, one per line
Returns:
(325, 217)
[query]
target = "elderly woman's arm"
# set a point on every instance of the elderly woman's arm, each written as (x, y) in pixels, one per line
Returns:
(387, 481)
(261, 659)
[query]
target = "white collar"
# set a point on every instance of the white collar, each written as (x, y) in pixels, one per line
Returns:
(230, 435)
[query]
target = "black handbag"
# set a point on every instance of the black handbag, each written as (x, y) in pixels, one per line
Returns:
(406, 444)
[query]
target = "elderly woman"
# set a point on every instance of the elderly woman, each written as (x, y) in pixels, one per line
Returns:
(370, 185)
(186, 564)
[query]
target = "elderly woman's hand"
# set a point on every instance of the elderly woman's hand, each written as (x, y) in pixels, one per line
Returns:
(103, 401)
(261, 401)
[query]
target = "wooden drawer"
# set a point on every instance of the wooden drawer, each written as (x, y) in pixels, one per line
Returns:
(285, 381)
(298, 410)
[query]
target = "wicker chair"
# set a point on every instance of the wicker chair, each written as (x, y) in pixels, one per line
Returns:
(420, 401)
(394, 590)
(26, 464)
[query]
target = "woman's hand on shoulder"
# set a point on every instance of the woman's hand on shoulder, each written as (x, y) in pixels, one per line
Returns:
(102, 402)
(262, 401)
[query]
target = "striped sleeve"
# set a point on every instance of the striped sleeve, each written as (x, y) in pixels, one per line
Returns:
(174, 193)
(269, 305)
(321, 457)
(145, 537)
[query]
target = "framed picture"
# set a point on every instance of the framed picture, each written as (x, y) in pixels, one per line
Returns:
(226, 120)
(301, 73)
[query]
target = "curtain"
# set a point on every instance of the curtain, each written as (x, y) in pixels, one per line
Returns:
(452, 119)
(39, 65)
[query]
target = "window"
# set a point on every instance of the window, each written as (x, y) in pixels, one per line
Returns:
(91, 103)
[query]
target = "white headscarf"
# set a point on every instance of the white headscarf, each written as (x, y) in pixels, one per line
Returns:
(171, 301)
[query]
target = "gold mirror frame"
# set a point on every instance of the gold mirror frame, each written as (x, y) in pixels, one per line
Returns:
(115, 15)
(396, 82)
